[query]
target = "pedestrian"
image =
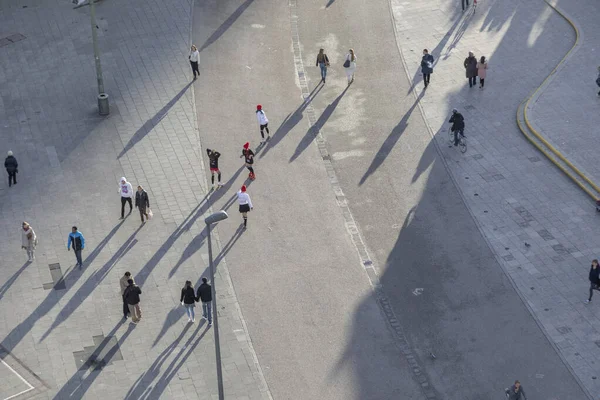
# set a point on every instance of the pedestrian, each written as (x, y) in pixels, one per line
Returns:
(204, 294)
(245, 204)
(194, 58)
(482, 71)
(188, 300)
(350, 65)
(142, 202)
(78, 241)
(463, 4)
(126, 192)
(263, 122)
(248, 155)
(597, 83)
(132, 297)
(515, 392)
(11, 165)
(213, 162)
(470, 65)
(123, 284)
(323, 62)
(426, 66)
(594, 277)
(28, 241)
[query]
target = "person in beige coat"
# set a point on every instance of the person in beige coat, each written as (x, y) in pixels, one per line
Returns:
(28, 241)
(482, 71)
(123, 283)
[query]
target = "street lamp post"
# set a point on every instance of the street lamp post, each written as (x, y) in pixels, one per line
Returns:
(103, 107)
(210, 220)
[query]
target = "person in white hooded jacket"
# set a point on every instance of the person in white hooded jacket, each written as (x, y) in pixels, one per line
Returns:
(126, 192)
(263, 121)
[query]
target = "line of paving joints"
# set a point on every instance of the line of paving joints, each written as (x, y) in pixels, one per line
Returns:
(351, 225)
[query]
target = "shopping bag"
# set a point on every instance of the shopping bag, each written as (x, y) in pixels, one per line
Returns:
(150, 214)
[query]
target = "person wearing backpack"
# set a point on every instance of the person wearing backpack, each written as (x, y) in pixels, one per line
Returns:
(426, 66)
(78, 241)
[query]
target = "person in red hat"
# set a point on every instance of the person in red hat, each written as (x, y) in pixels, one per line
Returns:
(248, 154)
(263, 121)
(245, 204)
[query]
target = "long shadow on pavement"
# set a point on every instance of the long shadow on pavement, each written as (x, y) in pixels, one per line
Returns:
(91, 283)
(226, 25)
(12, 279)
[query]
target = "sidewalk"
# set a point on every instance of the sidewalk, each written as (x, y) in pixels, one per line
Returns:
(513, 192)
(72, 342)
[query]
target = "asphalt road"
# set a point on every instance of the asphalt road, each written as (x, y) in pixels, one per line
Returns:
(308, 304)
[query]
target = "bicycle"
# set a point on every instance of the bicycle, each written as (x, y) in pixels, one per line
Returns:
(462, 140)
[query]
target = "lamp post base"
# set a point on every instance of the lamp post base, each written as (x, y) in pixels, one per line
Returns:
(103, 107)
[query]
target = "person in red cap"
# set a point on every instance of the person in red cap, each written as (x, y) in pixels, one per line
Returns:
(245, 204)
(263, 121)
(248, 154)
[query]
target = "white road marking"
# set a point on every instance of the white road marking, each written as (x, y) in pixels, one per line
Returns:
(20, 377)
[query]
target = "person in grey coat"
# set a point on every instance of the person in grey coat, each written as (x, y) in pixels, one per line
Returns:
(426, 66)
(142, 202)
(470, 65)
(515, 392)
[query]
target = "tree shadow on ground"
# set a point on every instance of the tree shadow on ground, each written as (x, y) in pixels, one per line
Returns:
(226, 25)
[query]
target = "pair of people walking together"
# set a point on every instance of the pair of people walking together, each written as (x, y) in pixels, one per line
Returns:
(189, 300)
(349, 65)
(474, 68)
(142, 201)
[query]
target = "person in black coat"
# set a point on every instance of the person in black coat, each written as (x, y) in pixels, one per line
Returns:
(188, 300)
(142, 202)
(132, 297)
(204, 294)
(594, 277)
(427, 66)
(11, 165)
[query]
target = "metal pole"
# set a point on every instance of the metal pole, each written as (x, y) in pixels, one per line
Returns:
(215, 316)
(103, 107)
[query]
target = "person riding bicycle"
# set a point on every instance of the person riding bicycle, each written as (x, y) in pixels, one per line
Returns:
(458, 125)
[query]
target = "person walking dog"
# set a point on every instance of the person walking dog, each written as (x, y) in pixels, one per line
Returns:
(11, 165)
(204, 294)
(482, 67)
(263, 122)
(123, 285)
(126, 192)
(188, 300)
(350, 65)
(78, 241)
(245, 204)
(132, 296)
(594, 278)
(323, 63)
(426, 66)
(470, 65)
(28, 241)
(142, 203)
(194, 58)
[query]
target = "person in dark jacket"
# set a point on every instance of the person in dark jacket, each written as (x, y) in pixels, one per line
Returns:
(427, 66)
(78, 241)
(594, 277)
(470, 65)
(515, 392)
(132, 297)
(204, 294)
(142, 202)
(458, 125)
(188, 300)
(11, 165)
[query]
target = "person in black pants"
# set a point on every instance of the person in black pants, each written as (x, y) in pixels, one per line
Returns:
(594, 277)
(11, 165)
(463, 4)
(123, 283)
(427, 66)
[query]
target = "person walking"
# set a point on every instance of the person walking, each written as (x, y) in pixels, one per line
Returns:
(204, 294)
(597, 83)
(263, 121)
(458, 125)
(126, 192)
(28, 241)
(123, 284)
(78, 241)
(515, 392)
(194, 58)
(188, 300)
(463, 4)
(245, 204)
(470, 65)
(350, 65)
(132, 297)
(426, 67)
(213, 162)
(594, 277)
(323, 63)
(248, 155)
(142, 203)
(482, 67)
(11, 165)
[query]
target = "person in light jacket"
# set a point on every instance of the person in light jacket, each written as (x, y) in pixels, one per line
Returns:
(263, 122)
(11, 165)
(123, 283)
(426, 66)
(245, 204)
(194, 58)
(142, 202)
(350, 65)
(470, 65)
(482, 71)
(188, 300)
(126, 192)
(28, 241)
(323, 63)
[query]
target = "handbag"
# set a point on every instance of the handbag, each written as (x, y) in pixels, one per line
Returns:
(347, 63)
(150, 214)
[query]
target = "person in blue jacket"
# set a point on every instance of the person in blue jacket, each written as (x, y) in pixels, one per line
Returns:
(78, 241)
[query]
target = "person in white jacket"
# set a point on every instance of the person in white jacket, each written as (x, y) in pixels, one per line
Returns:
(263, 121)
(194, 58)
(126, 192)
(245, 204)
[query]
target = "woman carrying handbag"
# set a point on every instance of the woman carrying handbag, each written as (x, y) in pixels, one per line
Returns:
(350, 65)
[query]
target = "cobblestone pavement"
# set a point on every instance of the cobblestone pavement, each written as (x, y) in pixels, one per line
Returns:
(539, 223)
(71, 342)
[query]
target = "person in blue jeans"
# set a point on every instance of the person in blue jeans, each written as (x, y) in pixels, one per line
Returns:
(188, 300)
(323, 62)
(78, 241)
(204, 294)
